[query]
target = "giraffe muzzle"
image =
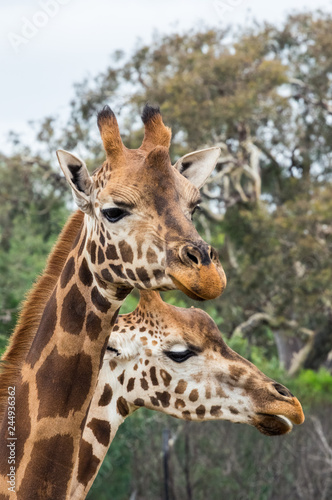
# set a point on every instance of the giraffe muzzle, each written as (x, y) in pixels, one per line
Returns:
(196, 271)
(280, 418)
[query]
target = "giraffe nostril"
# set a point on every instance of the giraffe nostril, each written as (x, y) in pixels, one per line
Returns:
(195, 255)
(192, 257)
(211, 254)
(283, 391)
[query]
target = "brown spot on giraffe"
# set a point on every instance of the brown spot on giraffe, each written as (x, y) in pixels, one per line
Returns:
(101, 256)
(111, 253)
(200, 411)
(144, 384)
(45, 331)
(131, 384)
(93, 325)
(68, 272)
(193, 396)
(181, 387)
(151, 256)
(121, 377)
(107, 275)
(154, 401)
(131, 275)
(82, 245)
(106, 396)
(122, 406)
(73, 311)
(143, 276)
(215, 411)
(67, 369)
(93, 249)
(100, 282)
(166, 377)
(99, 300)
(102, 238)
(87, 463)
(179, 404)
(139, 402)
(126, 252)
(101, 429)
(117, 269)
(47, 485)
(233, 410)
(236, 372)
(85, 274)
(164, 397)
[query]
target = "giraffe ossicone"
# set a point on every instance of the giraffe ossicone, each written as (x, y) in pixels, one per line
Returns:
(175, 361)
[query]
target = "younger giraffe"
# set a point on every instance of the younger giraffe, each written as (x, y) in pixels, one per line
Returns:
(136, 231)
(175, 361)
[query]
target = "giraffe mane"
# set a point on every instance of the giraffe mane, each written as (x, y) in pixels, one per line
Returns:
(33, 305)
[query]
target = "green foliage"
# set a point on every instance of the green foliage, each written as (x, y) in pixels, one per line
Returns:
(33, 211)
(130, 303)
(310, 387)
(283, 265)
(315, 386)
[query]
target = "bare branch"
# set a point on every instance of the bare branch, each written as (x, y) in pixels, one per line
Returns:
(253, 322)
(211, 215)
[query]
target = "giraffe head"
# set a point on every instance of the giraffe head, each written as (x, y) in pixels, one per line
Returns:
(174, 360)
(139, 208)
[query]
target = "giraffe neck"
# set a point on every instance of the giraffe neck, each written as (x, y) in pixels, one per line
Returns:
(58, 378)
(107, 412)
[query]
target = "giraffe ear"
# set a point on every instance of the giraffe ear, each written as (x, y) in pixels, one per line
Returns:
(78, 178)
(197, 166)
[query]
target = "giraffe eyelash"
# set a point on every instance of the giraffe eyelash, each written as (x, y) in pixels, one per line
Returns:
(196, 209)
(112, 349)
(114, 214)
(180, 356)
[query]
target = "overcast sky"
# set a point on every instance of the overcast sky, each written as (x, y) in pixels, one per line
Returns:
(75, 39)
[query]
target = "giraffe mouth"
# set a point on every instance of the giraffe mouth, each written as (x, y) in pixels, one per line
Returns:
(186, 290)
(273, 425)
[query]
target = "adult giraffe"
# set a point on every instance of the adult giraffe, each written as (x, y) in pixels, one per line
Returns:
(136, 232)
(175, 361)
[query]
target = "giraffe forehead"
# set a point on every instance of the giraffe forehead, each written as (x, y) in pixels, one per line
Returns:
(146, 185)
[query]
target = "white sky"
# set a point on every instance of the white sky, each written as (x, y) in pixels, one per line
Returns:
(37, 79)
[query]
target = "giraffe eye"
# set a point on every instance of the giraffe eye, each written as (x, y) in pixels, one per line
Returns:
(180, 356)
(114, 214)
(196, 209)
(112, 349)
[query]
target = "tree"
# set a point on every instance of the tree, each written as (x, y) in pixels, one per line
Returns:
(33, 210)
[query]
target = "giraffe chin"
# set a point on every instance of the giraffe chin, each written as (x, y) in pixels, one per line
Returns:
(185, 290)
(273, 425)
